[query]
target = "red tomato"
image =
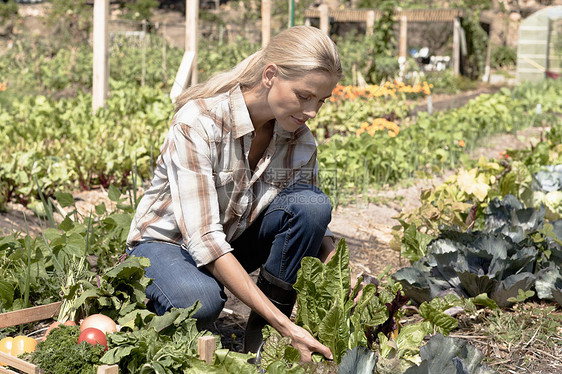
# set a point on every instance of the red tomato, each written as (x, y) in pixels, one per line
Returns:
(93, 336)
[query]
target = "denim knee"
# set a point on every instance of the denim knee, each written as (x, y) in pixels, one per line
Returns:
(310, 204)
(178, 283)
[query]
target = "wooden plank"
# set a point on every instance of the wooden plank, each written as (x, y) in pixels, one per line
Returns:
(27, 315)
(100, 71)
(192, 33)
(29, 368)
(183, 74)
(413, 15)
(108, 369)
(206, 346)
(265, 22)
(22, 365)
(6, 371)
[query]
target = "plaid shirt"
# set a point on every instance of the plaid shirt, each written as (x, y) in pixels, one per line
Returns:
(204, 194)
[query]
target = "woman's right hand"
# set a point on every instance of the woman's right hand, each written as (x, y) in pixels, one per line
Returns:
(232, 275)
(306, 344)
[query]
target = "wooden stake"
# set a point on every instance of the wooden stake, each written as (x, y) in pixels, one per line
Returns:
(265, 22)
(206, 346)
(370, 23)
(324, 18)
(108, 369)
(403, 47)
(191, 34)
(456, 46)
(100, 82)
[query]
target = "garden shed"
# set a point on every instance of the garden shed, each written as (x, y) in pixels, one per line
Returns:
(539, 52)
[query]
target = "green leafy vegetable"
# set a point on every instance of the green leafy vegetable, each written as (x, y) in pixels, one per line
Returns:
(60, 353)
(450, 356)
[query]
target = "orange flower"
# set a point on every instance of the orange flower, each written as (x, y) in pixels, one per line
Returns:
(461, 143)
(2, 86)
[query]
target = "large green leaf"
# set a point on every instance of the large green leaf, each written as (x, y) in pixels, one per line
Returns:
(450, 356)
(333, 331)
(6, 294)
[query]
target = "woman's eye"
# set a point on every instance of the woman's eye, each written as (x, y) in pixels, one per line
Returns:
(302, 97)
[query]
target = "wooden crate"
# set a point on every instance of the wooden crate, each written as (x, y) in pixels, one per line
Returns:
(29, 368)
(205, 345)
(34, 314)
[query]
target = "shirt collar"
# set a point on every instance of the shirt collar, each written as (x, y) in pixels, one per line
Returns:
(241, 122)
(279, 131)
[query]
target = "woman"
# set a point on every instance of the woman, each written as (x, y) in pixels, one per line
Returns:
(234, 189)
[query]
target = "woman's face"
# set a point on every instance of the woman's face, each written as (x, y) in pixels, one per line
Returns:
(293, 102)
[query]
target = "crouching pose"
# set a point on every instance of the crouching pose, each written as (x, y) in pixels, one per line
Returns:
(234, 189)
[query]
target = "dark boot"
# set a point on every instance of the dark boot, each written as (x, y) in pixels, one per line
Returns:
(281, 294)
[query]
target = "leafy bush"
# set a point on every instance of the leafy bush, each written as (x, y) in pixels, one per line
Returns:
(445, 82)
(384, 68)
(138, 9)
(8, 10)
(503, 56)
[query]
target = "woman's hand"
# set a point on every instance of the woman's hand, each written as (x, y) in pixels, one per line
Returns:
(232, 275)
(306, 344)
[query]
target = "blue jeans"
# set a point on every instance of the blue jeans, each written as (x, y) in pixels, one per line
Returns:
(291, 227)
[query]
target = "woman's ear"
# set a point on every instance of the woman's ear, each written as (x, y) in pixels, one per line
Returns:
(269, 73)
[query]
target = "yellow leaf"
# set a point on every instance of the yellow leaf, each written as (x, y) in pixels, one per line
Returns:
(472, 185)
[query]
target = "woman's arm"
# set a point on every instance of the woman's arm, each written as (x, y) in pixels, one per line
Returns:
(227, 270)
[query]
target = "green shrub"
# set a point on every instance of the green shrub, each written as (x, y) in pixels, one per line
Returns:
(384, 68)
(503, 56)
(8, 9)
(445, 82)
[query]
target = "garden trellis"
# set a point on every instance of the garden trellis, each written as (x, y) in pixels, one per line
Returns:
(369, 16)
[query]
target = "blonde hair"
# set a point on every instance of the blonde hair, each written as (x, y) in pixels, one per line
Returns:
(296, 52)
